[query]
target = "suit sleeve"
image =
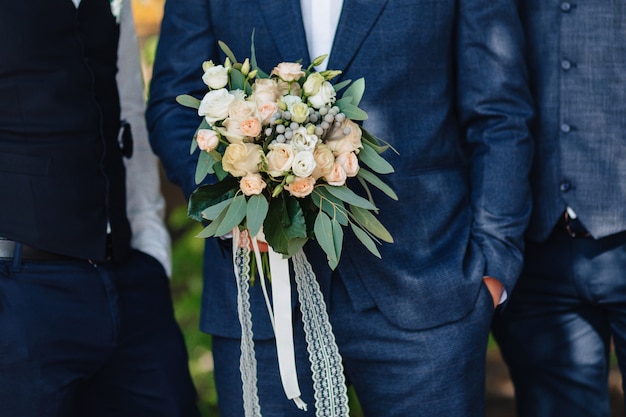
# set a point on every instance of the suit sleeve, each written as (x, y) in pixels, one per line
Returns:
(495, 110)
(186, 40)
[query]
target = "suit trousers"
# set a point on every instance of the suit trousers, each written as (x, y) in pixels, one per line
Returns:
(555, 333)
(78, 339)
(438, 372)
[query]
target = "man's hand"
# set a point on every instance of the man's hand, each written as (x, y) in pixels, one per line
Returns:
(495, 288)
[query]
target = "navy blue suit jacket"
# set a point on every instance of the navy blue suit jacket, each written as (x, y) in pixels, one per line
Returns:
(445, 85)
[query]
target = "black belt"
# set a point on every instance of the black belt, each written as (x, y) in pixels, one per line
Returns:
(7, 251)
(573, 227)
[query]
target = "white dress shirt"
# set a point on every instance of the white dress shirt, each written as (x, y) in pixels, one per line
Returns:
(320, 18)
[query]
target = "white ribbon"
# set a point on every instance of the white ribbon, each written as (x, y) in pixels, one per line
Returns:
(328, 379)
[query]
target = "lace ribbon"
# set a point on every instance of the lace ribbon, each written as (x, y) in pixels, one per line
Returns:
(329, 384)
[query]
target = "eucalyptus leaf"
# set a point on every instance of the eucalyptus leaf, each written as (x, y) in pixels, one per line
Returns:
(256, 213)
(353, 112)
(227, 51)
(342, 85)
(204, 166)
(237, 80)
(234, 215)
(212, 212)
(378, 183)
(324, 235)
(365, 240)
(348, 196)
(210, 230)
(372, 159)
(337, 237)
(369, 222)
(188, 101)
(356, 91)
(332, 205)
(253, 61)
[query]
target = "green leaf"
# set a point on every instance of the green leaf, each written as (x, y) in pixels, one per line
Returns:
(353, 112)
(219, 171)
(235, 214)
(324, 235)
(369, 222)
(188, 101)
(341, 85)
(356, 91)
(365, 240)
(348, 196)
(227, 51)
(253, 61)
(204, 166)
(256, 212)
(337, 237)
(378, 183)
(330, 204)
(237, 80)
(372, 159)
(213, 212)
(210, 230)
(284, 225)
(208, 195)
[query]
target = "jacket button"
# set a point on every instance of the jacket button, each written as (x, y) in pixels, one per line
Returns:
(566, 6)
(565, 128)
(565, 186)
(566, 64)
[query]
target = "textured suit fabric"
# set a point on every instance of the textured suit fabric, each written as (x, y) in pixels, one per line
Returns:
(569, 302)
(445, 85)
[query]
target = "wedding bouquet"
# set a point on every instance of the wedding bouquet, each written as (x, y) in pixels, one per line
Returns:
(282, 147)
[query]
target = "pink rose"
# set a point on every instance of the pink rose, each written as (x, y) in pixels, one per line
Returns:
(288, 71)
(252, 184)
(337, 176)
(301, 186)
(207, 139)
(349, 162)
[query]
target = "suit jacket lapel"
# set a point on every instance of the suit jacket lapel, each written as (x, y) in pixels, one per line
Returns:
(284, 21)
(356, 21)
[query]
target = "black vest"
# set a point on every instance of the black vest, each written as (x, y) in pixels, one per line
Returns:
(62, 177)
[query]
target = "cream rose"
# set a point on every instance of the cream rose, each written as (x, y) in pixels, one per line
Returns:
(313, 84)
(215, 77)
(286, 88)
(265, 111)
(232, 131)
(288, 71)
(301, 187)
(265, 90)
(324, 161)
(279, 159)
(214, 106)
(349, 134)
(299, 112)
(337, 176)
(252, 184)
(302, 140)
(349, 162)
(207, 139)
(324, 97)
(240, 109)
(250, 127)
(241, 159)
(303, 164)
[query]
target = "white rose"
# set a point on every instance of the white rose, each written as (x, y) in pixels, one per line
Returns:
(214, 106)
(324, 97)
(216, 77)
(303, 164)
(279, 159)
(302, 140)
